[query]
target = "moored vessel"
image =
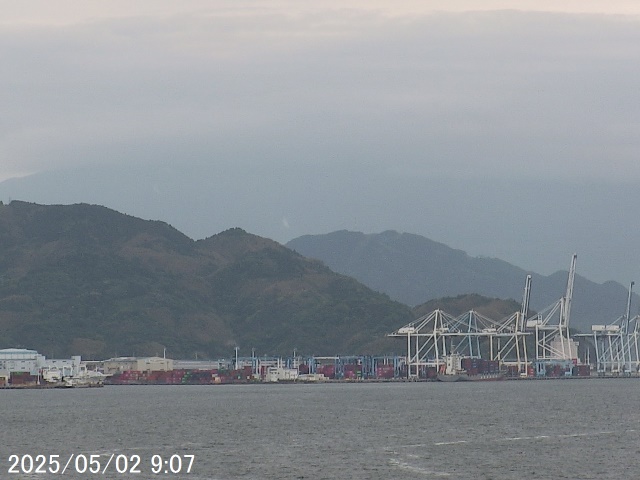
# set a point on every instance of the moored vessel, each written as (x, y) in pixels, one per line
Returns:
(463, 376)
(454, 371)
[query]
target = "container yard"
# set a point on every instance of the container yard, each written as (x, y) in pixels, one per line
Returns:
(271, 370)
(344, 369)
(300, 369)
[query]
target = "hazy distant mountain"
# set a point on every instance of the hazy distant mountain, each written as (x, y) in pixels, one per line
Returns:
(413, 269)
(286, 203)
(84, 279)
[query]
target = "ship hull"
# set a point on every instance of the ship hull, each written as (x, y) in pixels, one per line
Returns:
(463, 377)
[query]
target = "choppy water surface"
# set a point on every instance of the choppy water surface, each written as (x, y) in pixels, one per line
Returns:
(576, 429)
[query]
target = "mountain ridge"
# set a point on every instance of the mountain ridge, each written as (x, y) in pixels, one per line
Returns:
(84, 279)
(413, 270)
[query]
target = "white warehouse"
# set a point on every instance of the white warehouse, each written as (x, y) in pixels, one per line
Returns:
(21, 360)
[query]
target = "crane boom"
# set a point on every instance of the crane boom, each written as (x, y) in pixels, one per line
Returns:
(525, 303)
(566, 311)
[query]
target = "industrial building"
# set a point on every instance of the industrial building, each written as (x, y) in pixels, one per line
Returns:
(137, 364)
(21, 360)
(25, 367)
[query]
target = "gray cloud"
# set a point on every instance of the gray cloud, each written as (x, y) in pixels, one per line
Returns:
(511, 91)
(504, 133)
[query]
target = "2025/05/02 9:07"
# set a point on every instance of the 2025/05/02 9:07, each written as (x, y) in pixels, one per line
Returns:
(100, 464)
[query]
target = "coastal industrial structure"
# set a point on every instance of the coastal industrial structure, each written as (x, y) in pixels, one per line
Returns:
(141, 364)
(24, 368)
(616, 344)
(438, 345)
(266, 369)
(524, 346)
(434, 339)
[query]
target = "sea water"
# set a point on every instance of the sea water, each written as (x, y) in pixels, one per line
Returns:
(573, 429)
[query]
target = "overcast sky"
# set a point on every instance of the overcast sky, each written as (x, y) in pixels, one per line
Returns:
(507, 129)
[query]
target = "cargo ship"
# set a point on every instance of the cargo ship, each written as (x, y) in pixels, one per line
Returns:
(463, 376)
(458, 369)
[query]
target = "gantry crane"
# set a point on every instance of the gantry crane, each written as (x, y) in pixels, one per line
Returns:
(552, 339)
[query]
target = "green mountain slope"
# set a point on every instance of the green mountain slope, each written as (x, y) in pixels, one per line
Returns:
(494, 308)
(83, 279)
